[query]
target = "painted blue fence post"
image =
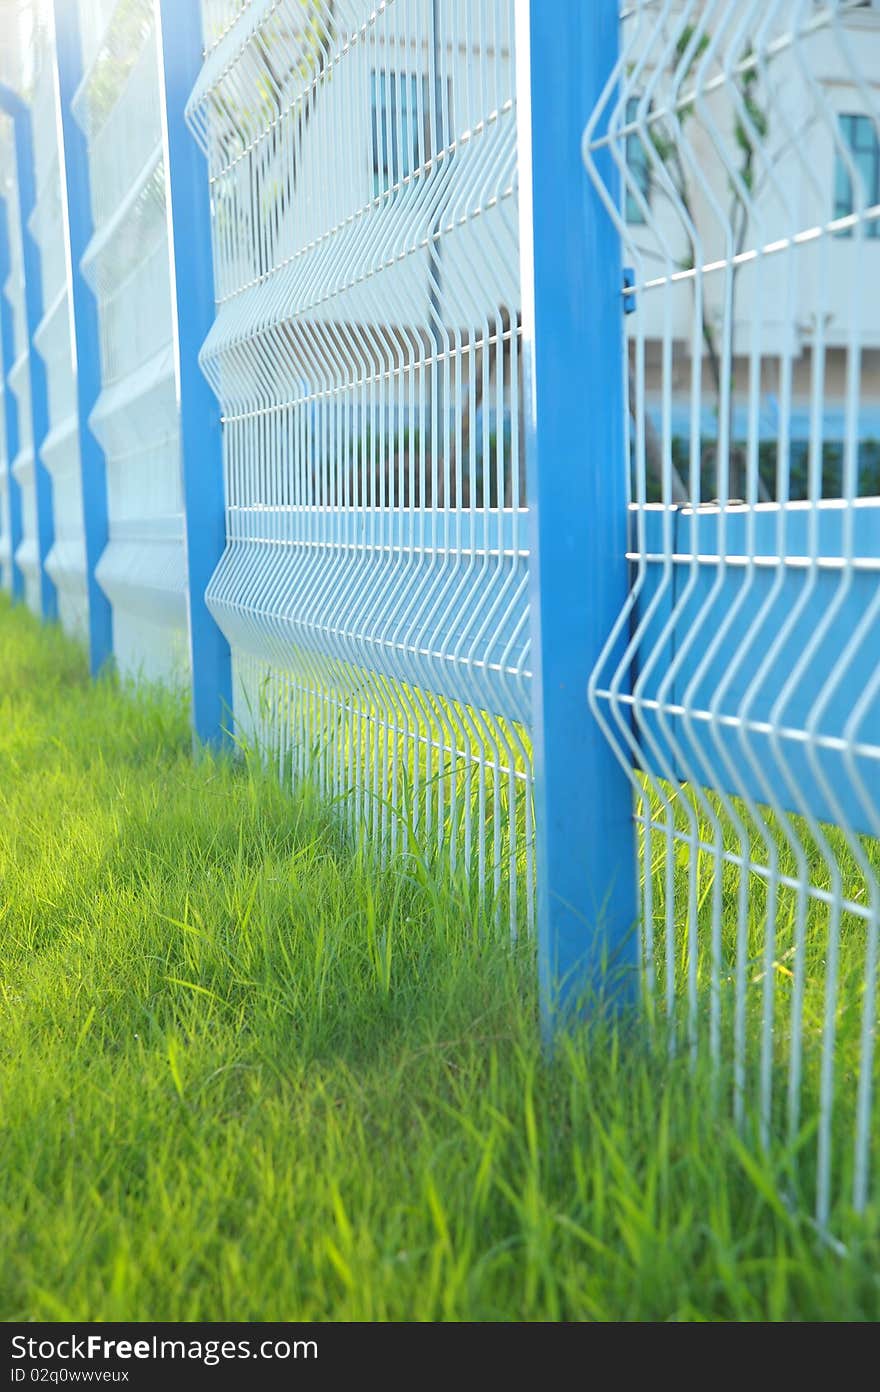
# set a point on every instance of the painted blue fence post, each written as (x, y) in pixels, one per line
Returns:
(572, 316)
(10, 406)
(189, 204)
(12, 104)
(84, 310)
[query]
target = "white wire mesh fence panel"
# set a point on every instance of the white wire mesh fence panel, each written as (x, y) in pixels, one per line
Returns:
(7, 174)
(5, 520)
(127, 264)
(27, 554)
(66, 562)
(746, 139)
(366, 354)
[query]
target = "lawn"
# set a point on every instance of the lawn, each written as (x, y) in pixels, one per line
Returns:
(244, 1075)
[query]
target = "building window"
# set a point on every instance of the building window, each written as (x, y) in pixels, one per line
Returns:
(638, 168)
(860, 136)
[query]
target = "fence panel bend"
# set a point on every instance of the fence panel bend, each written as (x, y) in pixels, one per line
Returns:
(747, 699)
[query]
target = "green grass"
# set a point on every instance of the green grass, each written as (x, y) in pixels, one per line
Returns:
(245, 1076)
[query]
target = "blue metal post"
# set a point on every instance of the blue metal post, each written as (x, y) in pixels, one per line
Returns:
(75, 168)
(12, 104)
(577, 495)
(10, 404)
(189, 204)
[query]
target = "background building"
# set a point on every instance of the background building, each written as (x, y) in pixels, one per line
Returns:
(722, 160)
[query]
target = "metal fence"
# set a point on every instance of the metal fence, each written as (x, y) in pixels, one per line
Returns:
(21, 477)
(65, 563)
(746, 138)
(5, 347)
(535, 495)
(366, 355)
(127, 265)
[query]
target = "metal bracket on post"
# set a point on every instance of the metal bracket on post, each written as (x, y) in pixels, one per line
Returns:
(76, 185)
(571, 274)
(10, 405)
(12, 104)
(629, 290)
(187, 192)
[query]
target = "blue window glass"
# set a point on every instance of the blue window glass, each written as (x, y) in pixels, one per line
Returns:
(860, 135)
